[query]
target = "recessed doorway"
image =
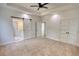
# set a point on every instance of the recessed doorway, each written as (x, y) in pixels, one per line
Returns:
(18, 28)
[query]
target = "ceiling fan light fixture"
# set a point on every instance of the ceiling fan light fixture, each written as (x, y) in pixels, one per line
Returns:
(40, 5)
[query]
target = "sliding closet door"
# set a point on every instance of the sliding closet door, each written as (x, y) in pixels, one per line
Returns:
(18, 28)
(28, 31)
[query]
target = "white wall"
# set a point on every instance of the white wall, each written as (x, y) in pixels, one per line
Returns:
(6, 26)
(69, 22)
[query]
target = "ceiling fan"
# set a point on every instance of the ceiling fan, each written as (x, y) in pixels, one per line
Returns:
(40, 5)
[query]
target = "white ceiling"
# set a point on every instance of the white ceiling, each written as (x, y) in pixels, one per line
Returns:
(51, 7)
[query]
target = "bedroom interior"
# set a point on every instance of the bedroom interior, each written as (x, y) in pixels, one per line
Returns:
(39, 29)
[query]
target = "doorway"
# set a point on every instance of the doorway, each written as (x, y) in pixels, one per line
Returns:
(40, 30)
(43, 30)
(18, 28)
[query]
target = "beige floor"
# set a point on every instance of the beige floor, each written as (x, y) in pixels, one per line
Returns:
(39, 46)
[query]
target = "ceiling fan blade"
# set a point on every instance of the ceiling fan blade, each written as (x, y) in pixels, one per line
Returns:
(34, 6)
(45, 4)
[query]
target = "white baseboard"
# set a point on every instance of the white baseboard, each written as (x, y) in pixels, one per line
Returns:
(5, 43)
(63, 41)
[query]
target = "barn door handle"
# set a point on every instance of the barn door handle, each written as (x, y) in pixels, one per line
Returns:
(67, 32)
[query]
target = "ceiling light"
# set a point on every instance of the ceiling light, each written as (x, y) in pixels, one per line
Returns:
(55, 17)
(25, 16)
